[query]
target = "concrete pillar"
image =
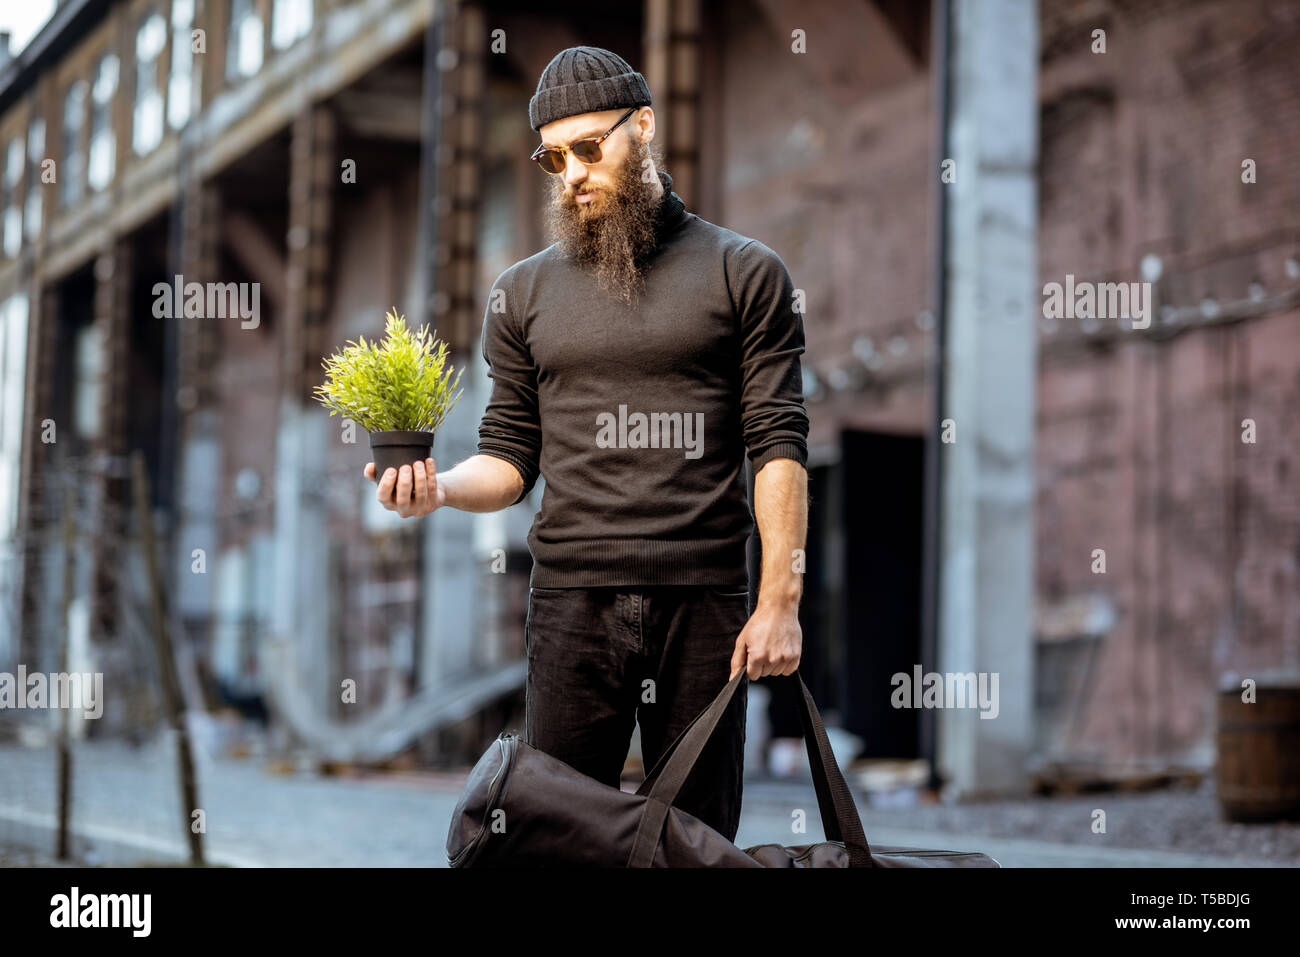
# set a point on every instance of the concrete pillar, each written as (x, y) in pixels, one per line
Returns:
(452, 612)
(300, 615)
(987, 558)
(300, 607)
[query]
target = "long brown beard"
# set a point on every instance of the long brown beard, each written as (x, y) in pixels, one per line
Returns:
(617, 236)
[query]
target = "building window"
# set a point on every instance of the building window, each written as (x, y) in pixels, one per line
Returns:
(88, 350)
(180, 86)
(292, 19)
(12, 229)
(13, 376)
(35, 184)
(244, 53)
(103, 141)
(148, 122)
(74, 125)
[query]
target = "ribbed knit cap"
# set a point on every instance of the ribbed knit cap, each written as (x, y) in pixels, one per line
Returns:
(585, 80)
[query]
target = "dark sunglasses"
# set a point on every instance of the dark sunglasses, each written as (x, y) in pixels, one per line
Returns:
(587, 151)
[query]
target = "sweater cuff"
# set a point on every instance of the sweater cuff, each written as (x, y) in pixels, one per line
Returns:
(781, 450)
(521, 466)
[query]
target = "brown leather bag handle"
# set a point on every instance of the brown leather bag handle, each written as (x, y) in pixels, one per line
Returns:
(839, 814)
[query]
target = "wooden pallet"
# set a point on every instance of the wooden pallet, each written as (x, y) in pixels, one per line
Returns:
(1068, 779)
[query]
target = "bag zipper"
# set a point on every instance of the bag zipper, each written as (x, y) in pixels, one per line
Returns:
(507, 743)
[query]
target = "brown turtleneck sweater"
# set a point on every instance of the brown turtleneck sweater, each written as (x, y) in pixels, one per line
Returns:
(639, 417)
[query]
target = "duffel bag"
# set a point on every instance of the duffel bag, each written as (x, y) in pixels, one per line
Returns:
(521, 807)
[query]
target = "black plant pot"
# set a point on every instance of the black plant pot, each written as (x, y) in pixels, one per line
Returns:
(392, 450)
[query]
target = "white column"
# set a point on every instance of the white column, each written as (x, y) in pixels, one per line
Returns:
(987, 573)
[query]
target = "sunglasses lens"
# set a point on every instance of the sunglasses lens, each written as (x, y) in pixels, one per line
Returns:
(587, 151)
(551, 160)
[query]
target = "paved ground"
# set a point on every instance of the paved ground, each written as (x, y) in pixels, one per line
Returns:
(1182, 820)
(126, 811)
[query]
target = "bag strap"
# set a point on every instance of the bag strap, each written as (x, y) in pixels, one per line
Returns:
(825, 803)
(839, 814)
(653, 776)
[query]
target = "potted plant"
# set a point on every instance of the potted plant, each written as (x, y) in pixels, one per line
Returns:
(399, 391)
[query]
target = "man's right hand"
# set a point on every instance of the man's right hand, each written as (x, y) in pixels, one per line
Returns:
(412, 492)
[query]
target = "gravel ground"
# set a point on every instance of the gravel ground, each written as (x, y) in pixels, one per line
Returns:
(1185, 819)
(255, 816)
(26, 857)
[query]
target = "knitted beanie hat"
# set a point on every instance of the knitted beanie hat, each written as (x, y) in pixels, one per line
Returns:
(585, 80)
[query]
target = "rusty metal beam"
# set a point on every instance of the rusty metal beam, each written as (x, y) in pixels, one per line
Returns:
(313, 154)
(672, 68)
(199, 343)
(259, 255)
(113, 269)
(33, 508)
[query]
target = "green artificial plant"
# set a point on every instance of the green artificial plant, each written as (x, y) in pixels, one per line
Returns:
(400, 384)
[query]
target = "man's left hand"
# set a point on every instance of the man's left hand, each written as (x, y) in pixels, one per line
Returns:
(771, 642)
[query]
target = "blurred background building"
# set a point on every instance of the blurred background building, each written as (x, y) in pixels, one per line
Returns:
(922, 173)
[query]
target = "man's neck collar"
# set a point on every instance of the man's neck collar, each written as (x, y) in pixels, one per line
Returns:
(671, 211)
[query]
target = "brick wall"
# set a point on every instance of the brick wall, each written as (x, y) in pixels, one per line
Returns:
(1139, 441)
(1139, 437)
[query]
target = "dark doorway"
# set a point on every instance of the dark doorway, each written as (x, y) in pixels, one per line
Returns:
(861, 607)
(882, 495)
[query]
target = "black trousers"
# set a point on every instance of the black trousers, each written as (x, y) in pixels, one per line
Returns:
(602, 659)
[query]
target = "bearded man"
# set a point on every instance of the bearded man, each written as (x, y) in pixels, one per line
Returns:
(635, 362)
